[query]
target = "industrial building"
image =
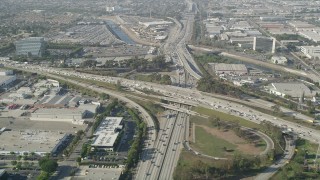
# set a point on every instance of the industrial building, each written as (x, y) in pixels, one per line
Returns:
(27, 141)
(107, 133)
(311, 35)
(213, 29)
(75, 116)
(272, 18)
(236, 69)
(33, 46)
(300, 25)
(155, 23)
(279, 60)
(311, 51)
(241, 40)
(295, 90)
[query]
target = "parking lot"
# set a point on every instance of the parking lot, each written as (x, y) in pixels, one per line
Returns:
(87, 35)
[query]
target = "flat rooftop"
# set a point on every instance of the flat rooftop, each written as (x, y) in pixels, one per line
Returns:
(22, 124)
(86, 173)
(106, 134)
(61, 111)
(292, 89)
(5, 78)
(229, 67)
(30, 140)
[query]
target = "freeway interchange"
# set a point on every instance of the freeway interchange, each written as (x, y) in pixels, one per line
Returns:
(162, 149)
(177, 94)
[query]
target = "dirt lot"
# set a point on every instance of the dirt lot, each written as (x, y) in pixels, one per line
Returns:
(231, 137)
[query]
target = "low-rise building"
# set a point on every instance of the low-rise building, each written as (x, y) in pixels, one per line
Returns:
(295, 90)
(75, 116)
(35, 141)
(311, 35)
(25, 90)
(311, 51)
(242, 40)
(107, 133)
(279, 60)
(222, 68)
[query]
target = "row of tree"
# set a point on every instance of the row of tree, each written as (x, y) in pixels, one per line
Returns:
(211, 85)
(157, 78)
(136, 146)
(158, 63)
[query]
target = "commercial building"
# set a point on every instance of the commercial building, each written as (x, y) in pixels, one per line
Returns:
(33, 46)
(74, 116)
(295, 90)
(311, 51)
(222, 68)
(107, 133)
(279, 60)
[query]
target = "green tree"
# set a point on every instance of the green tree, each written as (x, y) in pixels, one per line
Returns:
(104, 96)
(14, 162)
(48, 165)
(276, 109)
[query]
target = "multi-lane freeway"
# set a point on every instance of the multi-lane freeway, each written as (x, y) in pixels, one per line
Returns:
(179, 94)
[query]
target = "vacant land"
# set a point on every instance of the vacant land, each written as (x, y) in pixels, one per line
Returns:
(211, 145)
(223, 143)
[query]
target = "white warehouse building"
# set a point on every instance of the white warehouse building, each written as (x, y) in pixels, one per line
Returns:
(311, 51)
(74, 116)
(295, 90)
